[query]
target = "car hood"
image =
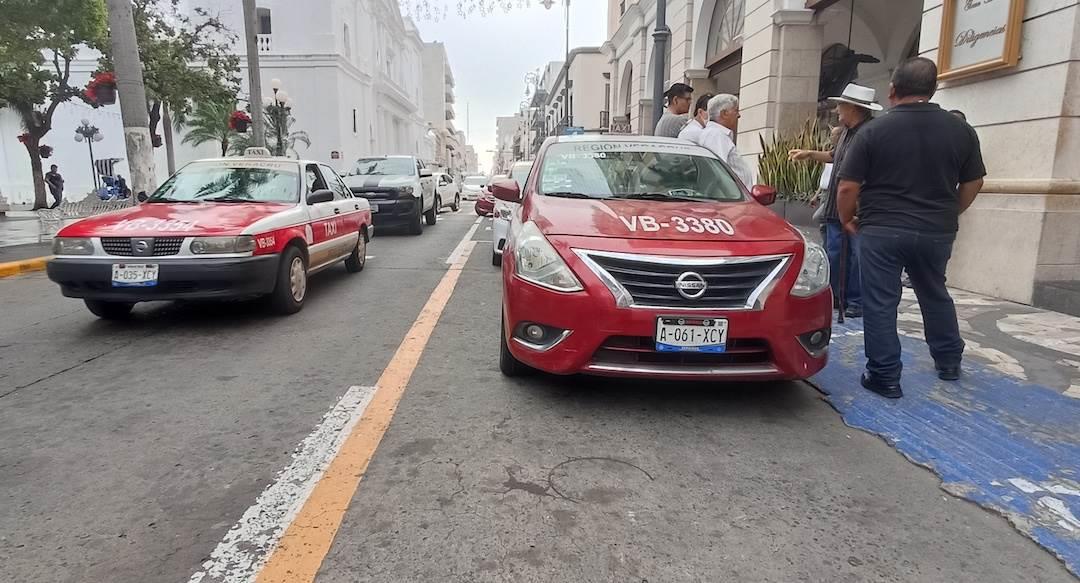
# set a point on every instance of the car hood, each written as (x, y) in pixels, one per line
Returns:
(379, 181)
(659, 220)
(162, 219)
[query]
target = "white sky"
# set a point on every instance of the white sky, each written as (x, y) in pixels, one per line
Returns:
(491, 55)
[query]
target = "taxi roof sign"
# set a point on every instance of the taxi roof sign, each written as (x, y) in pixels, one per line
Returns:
(257, 152)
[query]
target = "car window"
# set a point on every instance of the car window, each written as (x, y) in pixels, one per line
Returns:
(382, 167)
(314, 179)
(233, 180)
(335, 183)
(621, 170)
(520, 172)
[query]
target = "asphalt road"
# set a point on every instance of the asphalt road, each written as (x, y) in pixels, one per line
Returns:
(130, 449)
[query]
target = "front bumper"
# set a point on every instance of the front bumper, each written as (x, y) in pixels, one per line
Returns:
(393, 212)
(609, 341)
(193, 279)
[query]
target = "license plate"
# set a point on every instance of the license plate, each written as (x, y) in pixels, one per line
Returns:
(134, 274)
(675, 334)
(374, 208)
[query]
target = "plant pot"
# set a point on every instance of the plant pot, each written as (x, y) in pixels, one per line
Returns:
(45, 151)
(241, 126)
(105, 94)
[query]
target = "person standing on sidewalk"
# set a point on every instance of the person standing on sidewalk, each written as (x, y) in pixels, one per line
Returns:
(56, 185)
(719, 135)
(903, 185)
(692, 131)
(679, 98)
(854, 107)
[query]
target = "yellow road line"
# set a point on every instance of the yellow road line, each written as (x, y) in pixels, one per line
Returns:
(306, 541)
(11, 268)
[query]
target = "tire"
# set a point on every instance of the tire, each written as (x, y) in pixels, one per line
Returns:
(109, 310)
(509, 365)
(432, 215)
(355, 262)
(291, 289)
(416, 227)
(457, 203)
(496, 259)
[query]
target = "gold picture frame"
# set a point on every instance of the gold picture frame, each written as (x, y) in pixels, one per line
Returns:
(1010, 54)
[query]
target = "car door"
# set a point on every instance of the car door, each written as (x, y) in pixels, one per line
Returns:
(446, 189)
(346, 211)
(322, 231)
(427, 187)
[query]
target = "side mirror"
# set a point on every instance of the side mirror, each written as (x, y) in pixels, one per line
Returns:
(142, 196)
(320, 196)
(766, 195)
(425, 173)
(507, 190)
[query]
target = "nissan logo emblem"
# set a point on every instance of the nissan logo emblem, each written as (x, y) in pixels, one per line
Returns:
(691, 285)
(142, 245)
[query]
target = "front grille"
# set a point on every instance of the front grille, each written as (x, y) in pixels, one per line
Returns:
(641, 350)
(375, 193)
(124, 246)
(730, 283)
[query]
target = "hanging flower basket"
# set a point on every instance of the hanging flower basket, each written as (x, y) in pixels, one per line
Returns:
(106, 94)
(101, 90)
(45, 151)
(239, 121)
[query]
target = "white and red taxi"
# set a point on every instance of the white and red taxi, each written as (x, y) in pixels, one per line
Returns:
(645, 257)
(225, 228)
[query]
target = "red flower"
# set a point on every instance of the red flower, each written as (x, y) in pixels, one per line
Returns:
(239, 119)
(104, 78)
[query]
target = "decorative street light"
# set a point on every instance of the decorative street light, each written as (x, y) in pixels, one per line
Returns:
(89, 134)
(569, 117)
(280, 109)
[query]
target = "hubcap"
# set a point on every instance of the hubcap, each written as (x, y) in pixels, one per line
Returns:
(297, 279)
(361, 250)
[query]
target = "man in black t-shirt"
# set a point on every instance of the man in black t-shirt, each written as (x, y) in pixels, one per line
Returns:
(899, 190)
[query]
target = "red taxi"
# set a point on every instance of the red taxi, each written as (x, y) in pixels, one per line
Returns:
(646, 257)
(227, 228)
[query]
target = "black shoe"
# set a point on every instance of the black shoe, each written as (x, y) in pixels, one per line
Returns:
(949, 373)
(888, 391)
(853, 312)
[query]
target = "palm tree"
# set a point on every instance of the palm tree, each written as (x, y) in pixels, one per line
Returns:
(210, 123)
(278, 121)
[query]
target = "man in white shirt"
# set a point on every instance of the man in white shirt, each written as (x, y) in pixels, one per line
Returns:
(693, 129)
(719, 135)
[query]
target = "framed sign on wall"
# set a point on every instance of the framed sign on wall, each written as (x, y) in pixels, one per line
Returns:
(978, 36)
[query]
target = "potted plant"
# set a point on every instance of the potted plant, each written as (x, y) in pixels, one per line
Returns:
(239, 121)
(101, 90)
(796, 183)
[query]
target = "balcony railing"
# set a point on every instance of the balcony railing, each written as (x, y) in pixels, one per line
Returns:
(263, 42)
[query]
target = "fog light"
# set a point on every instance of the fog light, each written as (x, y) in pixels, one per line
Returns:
(534, 332)
(538, 336)
(815, 342)
(816, 337)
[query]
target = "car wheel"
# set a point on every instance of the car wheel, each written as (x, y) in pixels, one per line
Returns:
(433, 215)
(355, 262)
(292, 281)
(496, 259)
(109, 310)
(509, 365)
(416, 226)
(457, 203)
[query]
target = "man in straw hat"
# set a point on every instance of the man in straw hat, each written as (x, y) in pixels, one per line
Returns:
(903, 184)
(854, 107)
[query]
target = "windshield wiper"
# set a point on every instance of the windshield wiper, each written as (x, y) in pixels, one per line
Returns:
(657, 196)
(569, 195)
(179, 200)
(230, 199)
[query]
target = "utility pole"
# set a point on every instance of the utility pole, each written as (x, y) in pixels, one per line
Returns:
(661, 36)
(254, 76)
(566, 81)
(132, 93)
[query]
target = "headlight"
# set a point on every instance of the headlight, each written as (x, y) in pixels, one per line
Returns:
(72, 246)
(405, 191)
(220, 245)
(814, 273)
(536, 261)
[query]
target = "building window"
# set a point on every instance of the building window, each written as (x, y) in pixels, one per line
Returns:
(354, 120)
(725, 29)
(348, 41)
(263, 16)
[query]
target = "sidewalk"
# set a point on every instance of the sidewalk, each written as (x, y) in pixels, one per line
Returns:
(1006, 436)
(19, 227)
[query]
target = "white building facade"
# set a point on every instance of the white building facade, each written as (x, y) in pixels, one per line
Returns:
(351, 67)
(578, 94)
(439, 110)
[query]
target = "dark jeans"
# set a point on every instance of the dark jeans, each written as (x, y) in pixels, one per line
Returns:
(884, 253)
(58, 195)
(835, 238)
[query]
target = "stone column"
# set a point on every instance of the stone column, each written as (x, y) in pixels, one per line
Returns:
(1021, 239)
(780, 71)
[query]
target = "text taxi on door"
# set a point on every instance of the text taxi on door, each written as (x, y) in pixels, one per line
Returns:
(646, 257)
(224, 228)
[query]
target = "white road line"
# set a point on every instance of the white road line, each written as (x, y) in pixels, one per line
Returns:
(244, 549)
(456, 254)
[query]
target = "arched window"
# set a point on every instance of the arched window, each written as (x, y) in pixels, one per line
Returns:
(725, 29)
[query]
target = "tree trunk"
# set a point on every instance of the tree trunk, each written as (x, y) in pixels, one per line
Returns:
(224, 146)
(132, 92)
(41, 200)
(170, 148)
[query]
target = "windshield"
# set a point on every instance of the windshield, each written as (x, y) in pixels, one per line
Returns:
(384, 167)
(233, 181)
(476, 181)
(635, 170)
(520, 172)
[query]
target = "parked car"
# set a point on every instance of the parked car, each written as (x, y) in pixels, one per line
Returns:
(472, 186)
(217, 229)
(449, 192)
(646, 257)
(400, 189)
(504, 211)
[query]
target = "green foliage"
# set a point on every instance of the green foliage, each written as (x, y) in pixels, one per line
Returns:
(277, 123)
(210, 123)
(795, 181)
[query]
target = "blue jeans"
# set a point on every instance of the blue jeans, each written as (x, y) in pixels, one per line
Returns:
(884, 253)
(835, 238)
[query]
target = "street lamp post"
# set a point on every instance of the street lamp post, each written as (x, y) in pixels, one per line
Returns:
(661, 36)
(89, 134)
(280, 108)
(568, 118)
